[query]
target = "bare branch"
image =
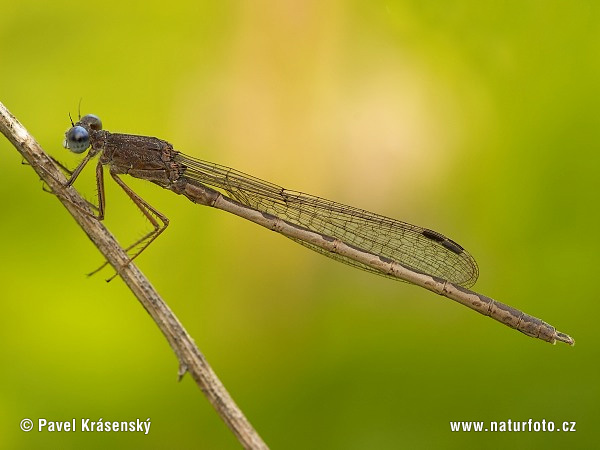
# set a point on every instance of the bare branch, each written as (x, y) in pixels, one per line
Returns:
(190, 358)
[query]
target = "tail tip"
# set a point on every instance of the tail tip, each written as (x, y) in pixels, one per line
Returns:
(562, 337)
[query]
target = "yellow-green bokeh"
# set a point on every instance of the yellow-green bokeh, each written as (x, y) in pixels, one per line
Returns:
(476, 119)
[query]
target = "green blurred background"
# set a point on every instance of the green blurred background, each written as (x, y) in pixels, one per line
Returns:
(476, 119)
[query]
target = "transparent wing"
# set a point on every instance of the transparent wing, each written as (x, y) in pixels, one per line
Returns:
(420, 249)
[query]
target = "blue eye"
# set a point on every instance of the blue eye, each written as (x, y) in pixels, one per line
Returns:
(77, 139)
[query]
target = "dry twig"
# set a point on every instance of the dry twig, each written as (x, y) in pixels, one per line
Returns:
(190, 358)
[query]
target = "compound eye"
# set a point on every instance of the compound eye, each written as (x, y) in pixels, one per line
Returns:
(77, 139)
(92, 121)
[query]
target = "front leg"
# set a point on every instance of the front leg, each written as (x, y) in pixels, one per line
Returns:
(99, 208)
(72, 175)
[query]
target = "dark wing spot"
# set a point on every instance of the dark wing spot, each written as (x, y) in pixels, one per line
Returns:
(453, 246)
(438, 237)
(433, 235)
